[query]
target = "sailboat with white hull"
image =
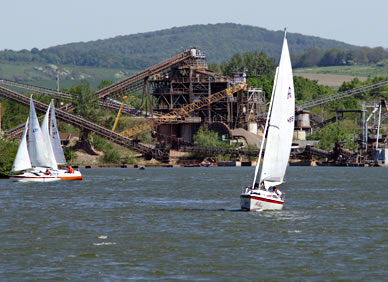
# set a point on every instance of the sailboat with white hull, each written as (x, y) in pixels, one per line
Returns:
(279, 128)
(64, 173)
(34, 161)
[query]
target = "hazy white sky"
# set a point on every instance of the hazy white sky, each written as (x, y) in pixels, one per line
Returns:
(25, 24)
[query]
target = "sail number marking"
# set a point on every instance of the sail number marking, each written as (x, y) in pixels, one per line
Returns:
(289, 95)
(291, 119)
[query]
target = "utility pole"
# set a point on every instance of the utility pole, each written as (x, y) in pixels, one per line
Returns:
(363, 121)
(57, 79)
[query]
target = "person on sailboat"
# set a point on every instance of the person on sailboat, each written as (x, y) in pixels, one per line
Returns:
(70, 169)
(47, 172)
(277, 191)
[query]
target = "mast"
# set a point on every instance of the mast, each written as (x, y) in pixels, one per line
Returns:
(46, 137)
(265, 129)
(36, 143)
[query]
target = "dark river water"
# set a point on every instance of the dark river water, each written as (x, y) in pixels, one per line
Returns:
(186, 224)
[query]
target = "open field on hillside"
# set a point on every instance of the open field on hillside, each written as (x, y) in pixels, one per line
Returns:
(362, 72)
(44, 74)
(331, 80)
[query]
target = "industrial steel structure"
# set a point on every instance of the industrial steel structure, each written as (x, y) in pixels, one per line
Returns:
(178, 95)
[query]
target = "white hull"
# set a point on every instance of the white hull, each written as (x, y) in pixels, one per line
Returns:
(258, 200)
(34, 177)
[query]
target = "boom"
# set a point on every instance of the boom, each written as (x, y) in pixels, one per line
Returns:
(341, 95)
(184, 111)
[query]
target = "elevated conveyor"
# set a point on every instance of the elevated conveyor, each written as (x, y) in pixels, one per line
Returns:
(337, 96)
(341, 95)
(130, 84)
(106, 103)
(83, 123)
(135, 81)
(184, 111)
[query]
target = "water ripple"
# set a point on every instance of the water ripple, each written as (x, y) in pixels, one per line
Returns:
(186, 224)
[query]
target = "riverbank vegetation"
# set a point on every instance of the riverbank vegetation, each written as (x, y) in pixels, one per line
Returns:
(8, 150)
(260, 69)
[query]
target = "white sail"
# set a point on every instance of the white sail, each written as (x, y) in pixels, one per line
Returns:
(46, 136)
(265, 130)
(22, 160)
(36, 143)
(54, 137)
(281, 124)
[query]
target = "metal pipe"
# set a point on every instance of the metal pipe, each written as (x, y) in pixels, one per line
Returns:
(378, 128)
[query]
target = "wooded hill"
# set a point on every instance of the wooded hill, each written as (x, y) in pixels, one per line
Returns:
(138, 51)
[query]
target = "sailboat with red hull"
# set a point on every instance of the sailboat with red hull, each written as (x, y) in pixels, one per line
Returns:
(277, 140)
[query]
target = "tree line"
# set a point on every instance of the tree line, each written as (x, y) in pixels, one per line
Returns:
(94, 58)
(315, 57)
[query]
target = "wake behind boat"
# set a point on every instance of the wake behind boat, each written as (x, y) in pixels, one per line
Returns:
(279, 129)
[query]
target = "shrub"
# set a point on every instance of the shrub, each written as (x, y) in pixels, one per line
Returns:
(68, 154)
(112, 157)
(208, 138)
(335, 132)
(8, 150)
(98, 142)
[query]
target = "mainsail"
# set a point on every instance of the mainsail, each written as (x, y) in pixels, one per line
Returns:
(22, 160)
(281, 123)
(54, 137)
(46, 136)
(36, 143)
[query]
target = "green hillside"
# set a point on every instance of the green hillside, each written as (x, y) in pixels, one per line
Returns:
(44, 75)
(138, 51)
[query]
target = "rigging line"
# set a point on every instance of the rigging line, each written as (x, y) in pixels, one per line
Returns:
(266, 127)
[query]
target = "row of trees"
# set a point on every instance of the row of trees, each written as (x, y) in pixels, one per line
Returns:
(339, 57)
(260, 71)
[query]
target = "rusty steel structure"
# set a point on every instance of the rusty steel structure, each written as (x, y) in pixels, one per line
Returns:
(148, 151)
(133, 83)
(179, 115)
(192, 81)
(181, 86)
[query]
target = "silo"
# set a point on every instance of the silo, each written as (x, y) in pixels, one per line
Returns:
(252, 127)
(303, 120)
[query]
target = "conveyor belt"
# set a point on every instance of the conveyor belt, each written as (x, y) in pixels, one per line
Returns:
(80, 122)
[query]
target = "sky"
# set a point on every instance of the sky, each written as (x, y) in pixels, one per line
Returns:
(27, 24)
